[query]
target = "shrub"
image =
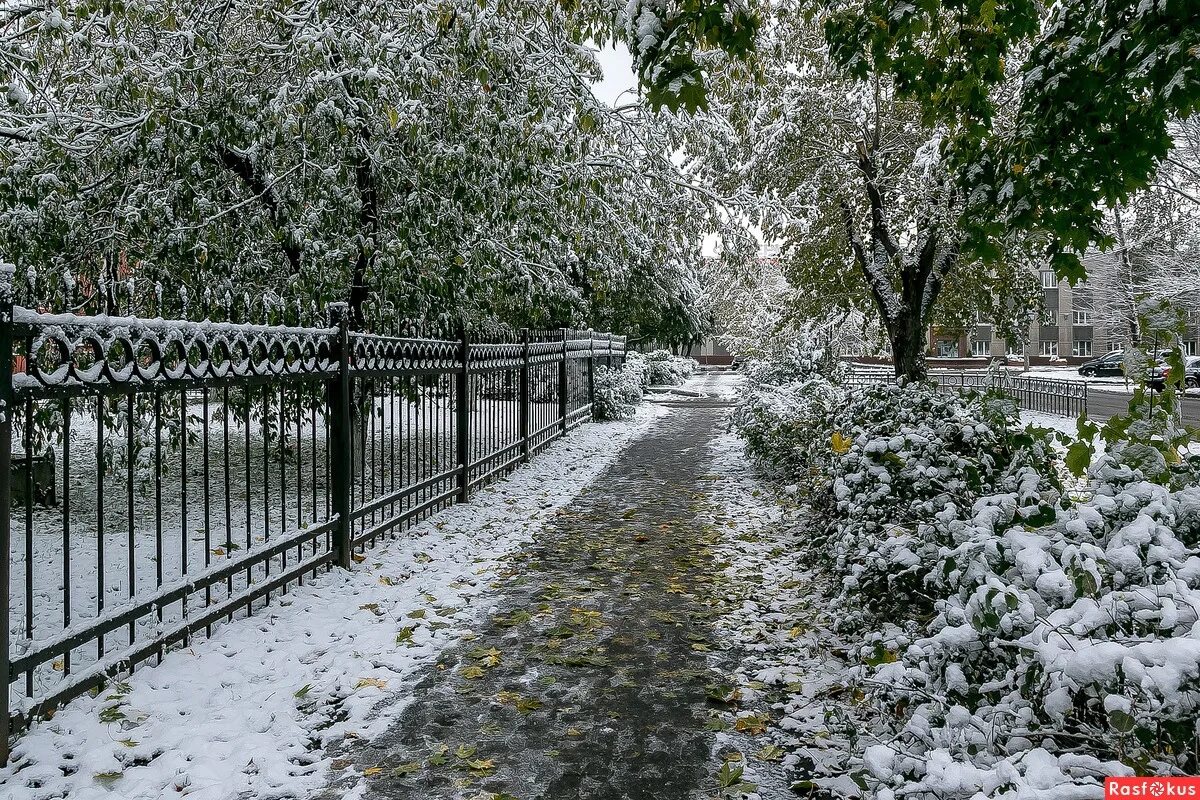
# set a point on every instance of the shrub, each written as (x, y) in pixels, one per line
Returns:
(618, 391)
(787, 428)
(1032, 644)
(786, 414)
(662, 368)
(908, 462)
(1082, 630)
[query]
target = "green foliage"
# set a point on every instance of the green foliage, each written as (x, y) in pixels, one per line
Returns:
(256, 159)
(915, 460)
(1147, 443)
(1099, 83)
(664, 39)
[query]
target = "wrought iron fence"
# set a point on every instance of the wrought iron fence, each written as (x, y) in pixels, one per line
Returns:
(1046, 395)
(200, 468)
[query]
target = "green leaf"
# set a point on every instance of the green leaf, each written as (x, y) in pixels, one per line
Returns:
(1121, 721)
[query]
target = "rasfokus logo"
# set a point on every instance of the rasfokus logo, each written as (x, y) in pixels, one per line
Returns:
(1152, 788)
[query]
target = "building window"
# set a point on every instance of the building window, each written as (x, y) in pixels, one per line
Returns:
(1189, 348)
(1082, 317)
(1050, 317)
(1049, 279)
(1050, 348)
(947, 348)
(1082, 348)
(981, 347)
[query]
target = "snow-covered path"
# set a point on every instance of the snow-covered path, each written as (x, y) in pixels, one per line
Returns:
(252, 712)
(592, 677)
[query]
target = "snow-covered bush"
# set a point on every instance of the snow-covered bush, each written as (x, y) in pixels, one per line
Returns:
(618, 391)
(662, 368)
(1081, 632)
(909, 461)
(796, 361)
(787, 428)
(786, 414)
(1005, 641)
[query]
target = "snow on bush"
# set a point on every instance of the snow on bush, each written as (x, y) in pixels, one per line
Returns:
(619, 390)
(1055, 651)
(1005, 641)
(786, 412)
(664, 369)
(907, 462)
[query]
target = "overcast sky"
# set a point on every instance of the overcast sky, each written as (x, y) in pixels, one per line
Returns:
(618, 76)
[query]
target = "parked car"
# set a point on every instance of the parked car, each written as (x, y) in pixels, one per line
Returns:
(1159, 373)
(1191, 372)
(1157, 379)
(1110, 364)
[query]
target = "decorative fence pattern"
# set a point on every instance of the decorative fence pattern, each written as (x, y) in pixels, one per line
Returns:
(197, 469)
(1049, 396)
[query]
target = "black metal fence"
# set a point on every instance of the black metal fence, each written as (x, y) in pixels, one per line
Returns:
(1046, 395)
(197, 469)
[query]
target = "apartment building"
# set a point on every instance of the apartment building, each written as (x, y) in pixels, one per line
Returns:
(1071, 330)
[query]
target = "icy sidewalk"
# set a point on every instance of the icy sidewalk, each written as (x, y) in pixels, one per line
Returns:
(590, 680)
(251, 712)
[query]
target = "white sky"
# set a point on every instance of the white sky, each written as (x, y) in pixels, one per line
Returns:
(618, 76)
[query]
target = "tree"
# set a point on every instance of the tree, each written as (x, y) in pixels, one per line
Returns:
(439, 161)
(846, 177)
(1098, 84)
(1157, 245)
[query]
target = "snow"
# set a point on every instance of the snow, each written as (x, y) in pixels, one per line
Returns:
(250, 712)
(771, 620)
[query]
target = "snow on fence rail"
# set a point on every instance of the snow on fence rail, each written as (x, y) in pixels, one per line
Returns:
(1047, 395)
(188, 471)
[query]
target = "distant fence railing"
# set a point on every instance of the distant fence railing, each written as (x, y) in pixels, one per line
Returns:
(196, 469)
(1045, 395)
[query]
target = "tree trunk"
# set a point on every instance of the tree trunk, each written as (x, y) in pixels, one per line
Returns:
(907, 338)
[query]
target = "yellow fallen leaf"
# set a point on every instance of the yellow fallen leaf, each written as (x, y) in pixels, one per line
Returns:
(371, 772)
(378, 683)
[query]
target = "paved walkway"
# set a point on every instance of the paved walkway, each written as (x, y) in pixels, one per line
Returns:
(589, 681)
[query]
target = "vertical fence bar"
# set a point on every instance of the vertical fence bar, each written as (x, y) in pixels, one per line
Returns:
(563, 387)
(6, 412)
(463, 427)
(591, 373)
(99, 518)
(338, 399)
(523, 395)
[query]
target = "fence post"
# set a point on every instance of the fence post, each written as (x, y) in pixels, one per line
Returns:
(592, 372)
(524, 395)
(341, 434)
(6, 412)
(463, 418)
(563, 387)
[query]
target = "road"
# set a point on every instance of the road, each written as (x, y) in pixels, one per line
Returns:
(1102, 405)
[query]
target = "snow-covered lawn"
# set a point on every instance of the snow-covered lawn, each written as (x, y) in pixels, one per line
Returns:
(417, 444)
(248, 713)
